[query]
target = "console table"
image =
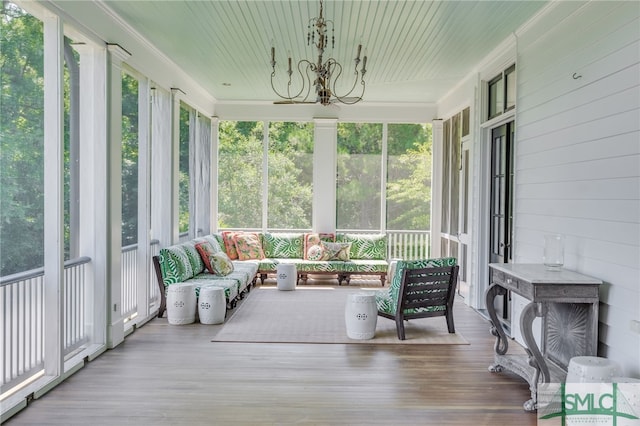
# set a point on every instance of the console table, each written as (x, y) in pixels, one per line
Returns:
(566, 301)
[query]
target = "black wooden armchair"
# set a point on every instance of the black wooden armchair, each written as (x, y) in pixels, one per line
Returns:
(424, 293)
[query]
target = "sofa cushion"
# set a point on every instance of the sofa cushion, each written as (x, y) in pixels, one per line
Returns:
(221, 264)
(283, 245)
(216, 244)
(366, 246)
(197, 264)
(313, 239)
(168, 267)
(229, 244)
(205, 249)
(175, 265)
(336, 251)
(248, 246)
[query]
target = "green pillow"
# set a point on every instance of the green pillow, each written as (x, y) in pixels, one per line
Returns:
(283, 245)
(175, 265)
(365, 246)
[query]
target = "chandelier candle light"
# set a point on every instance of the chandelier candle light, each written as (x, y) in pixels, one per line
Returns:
(325, 73)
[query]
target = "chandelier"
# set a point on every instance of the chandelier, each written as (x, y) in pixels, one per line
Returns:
(321, 75)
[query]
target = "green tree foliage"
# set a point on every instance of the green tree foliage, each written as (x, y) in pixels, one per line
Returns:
(409, 177)
(183, 169)
(359, 175)
(240, 174)
(129, 160)
(21, 141)
(290, 175)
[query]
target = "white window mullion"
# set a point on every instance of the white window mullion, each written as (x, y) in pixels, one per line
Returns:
(265, 176)
(436, 186)
(383, 179)
(53, 196)
(325, 153)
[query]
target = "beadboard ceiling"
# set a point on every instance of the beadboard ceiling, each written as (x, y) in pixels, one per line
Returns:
(417, 50)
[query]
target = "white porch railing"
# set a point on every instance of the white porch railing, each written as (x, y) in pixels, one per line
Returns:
(129, 277)
(22, 331)
(407, 245)
(22, 313)
(129, 281)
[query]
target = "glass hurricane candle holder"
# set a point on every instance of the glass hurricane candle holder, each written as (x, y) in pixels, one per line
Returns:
(553, 258)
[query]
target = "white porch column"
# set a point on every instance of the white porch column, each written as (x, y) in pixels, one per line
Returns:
(213, 175)
(53, 196)
(436, 186)
(324, 174)
(93, 175)
(115, 331)
(161, 178)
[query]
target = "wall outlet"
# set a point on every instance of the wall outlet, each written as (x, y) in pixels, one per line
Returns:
(634, 325)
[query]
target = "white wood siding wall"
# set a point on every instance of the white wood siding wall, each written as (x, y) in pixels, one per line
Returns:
(578, 155)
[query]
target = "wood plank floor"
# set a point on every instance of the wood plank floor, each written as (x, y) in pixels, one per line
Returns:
(174, 375)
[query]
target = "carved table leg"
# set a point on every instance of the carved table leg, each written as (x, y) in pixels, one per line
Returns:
(536, 359)
(502, 344)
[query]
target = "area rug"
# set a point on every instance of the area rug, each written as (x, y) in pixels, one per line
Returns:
(317, 315)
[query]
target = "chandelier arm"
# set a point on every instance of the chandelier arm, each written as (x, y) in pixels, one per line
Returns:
(342, 99)
(302, 75)
(309, 67)
(336, 65)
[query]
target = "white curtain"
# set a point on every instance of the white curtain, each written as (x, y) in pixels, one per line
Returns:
(200, 173)
(161, 175)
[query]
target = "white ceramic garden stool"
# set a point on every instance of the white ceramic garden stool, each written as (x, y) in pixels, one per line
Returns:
(287, 276)
(211, 305)
(181, 303)
(591, 369)
(361, 316)
(630, 388)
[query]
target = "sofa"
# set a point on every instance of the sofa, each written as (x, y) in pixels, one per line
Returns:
(185, 263)
(234, 259)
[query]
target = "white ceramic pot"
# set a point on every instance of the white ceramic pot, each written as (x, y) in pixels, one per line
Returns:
(361, 316)
(181, 304)
(212, 306)
(287, 276)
